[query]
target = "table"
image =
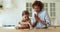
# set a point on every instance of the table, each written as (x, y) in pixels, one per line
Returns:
(50, 29)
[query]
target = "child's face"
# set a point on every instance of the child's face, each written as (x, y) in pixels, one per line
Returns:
(26, 17)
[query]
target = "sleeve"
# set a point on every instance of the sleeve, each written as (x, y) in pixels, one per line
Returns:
(47, 19)
(33, 19)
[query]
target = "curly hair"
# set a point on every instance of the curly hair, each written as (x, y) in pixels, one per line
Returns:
(39, 4)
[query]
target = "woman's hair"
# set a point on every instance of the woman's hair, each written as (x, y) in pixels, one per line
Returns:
(25, 12)
(39, 4)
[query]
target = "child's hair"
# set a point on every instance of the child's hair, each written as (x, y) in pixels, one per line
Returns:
(25, 12)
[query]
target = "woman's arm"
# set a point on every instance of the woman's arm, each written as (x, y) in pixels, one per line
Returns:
(34, 24)
(38, 19)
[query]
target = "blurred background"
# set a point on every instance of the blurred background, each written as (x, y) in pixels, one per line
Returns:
(11, 11)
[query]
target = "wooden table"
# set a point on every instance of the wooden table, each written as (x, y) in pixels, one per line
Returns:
(50, 29)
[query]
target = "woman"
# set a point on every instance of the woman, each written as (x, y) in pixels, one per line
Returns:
(40, 18)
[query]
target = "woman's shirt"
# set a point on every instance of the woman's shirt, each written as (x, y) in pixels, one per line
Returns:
(43, 16)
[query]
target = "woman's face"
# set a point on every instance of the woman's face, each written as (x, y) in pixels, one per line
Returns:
(36, 8)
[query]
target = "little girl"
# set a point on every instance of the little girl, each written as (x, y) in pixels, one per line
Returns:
(26, 22)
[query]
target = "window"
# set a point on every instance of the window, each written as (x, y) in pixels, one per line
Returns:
(29, 8)
(46, 6)
(52, 10)
(52, 13)
(1, 5)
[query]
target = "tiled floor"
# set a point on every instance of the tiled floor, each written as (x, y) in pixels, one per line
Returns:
(50, 29)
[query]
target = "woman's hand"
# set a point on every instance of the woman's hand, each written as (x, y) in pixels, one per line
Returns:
(37, 18)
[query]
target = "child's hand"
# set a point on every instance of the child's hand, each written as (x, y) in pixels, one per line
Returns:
(24, 22)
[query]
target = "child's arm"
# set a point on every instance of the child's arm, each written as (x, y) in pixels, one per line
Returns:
(30, 24)
(24, 23)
